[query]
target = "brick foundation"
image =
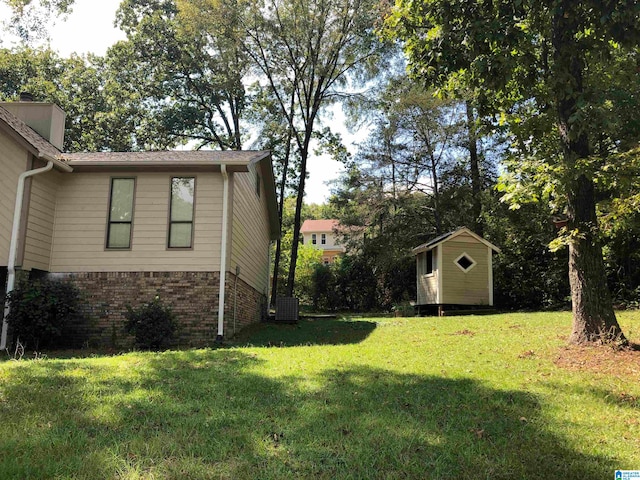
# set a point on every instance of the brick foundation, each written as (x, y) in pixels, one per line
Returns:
(250, 306)
(193, 297)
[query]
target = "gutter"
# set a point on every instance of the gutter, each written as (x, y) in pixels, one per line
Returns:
(13, 246)
(223, 250)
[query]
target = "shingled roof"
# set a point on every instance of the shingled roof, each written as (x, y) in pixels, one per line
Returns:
(319, 226)
(182, 157)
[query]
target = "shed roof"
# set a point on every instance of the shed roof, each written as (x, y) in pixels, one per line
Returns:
(431, 244)
(319, 226)
(30, 139)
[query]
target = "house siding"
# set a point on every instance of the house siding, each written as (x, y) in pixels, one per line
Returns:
(39, 228)
(81, 223)
(13, 161)
(250, 232)
(331, 244)
(462, 288)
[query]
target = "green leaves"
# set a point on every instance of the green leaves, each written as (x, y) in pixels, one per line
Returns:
(40, 310)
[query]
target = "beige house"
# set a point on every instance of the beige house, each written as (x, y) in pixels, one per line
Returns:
(191, 226)
(321, 234)
(455, 269)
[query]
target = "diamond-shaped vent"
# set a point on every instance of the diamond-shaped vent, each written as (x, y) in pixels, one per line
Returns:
(465, 262)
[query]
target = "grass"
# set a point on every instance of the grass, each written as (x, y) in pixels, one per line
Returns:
(487, 397)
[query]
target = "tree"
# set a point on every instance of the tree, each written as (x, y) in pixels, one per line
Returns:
(535, 55)
(276, 135)
(29, 18)
(306, 50)
(76, 84)
(190, 80)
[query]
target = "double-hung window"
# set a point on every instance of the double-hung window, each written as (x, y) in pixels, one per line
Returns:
(120, 213)
(314, 238)
(181, 212)
(323, 238)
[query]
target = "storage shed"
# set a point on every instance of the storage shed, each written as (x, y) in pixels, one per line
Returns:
(454, 269)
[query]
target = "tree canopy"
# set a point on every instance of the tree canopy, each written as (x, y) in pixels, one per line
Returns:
(535, 61)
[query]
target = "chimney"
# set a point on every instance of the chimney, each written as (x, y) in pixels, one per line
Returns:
(45, 118)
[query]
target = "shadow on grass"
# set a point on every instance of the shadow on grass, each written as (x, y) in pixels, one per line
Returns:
(321, 331)
(219, 413)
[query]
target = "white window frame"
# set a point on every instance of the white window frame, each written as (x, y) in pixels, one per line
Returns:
(111, 221)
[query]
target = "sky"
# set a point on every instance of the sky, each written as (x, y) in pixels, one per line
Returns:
(90, 28)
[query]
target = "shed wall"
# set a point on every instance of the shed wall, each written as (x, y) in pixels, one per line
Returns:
(427, 286)
(460, 288)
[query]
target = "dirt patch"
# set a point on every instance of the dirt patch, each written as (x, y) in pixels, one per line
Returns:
(601, 359)
(465, 332)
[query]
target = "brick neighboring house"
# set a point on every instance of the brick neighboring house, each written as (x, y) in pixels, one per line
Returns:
(125, 227)
(321, 234)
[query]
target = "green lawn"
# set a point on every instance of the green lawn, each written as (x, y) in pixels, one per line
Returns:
(454, 397)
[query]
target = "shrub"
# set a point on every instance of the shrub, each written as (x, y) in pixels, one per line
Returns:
(41, 309)
(153, 324)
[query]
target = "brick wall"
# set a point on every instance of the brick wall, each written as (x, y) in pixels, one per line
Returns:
(193, 296)
(250, 306)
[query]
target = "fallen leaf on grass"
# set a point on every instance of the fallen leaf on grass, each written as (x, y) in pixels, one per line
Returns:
(527, 354)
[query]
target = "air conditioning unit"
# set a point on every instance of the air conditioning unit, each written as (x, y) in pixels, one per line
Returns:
(287, 309)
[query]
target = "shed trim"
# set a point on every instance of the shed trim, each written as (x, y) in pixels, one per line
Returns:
(469, 257)
(439, 293)
(490, 270)
(450, 236)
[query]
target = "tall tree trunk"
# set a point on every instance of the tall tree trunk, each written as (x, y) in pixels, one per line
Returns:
(476, 182)
(296, 224)
(283, 186)
(436, 192)
(593, 316)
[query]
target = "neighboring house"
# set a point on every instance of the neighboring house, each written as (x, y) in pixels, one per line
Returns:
(321, 234)
(125, 227)
(455, 269)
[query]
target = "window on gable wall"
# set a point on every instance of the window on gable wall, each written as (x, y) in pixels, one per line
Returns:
(465, 262)
(181, 212)
(428, 262)
(120, 213)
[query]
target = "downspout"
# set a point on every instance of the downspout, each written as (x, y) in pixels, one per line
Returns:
(223, 250)
(235, 298)
(13, 246)
(266, 313)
